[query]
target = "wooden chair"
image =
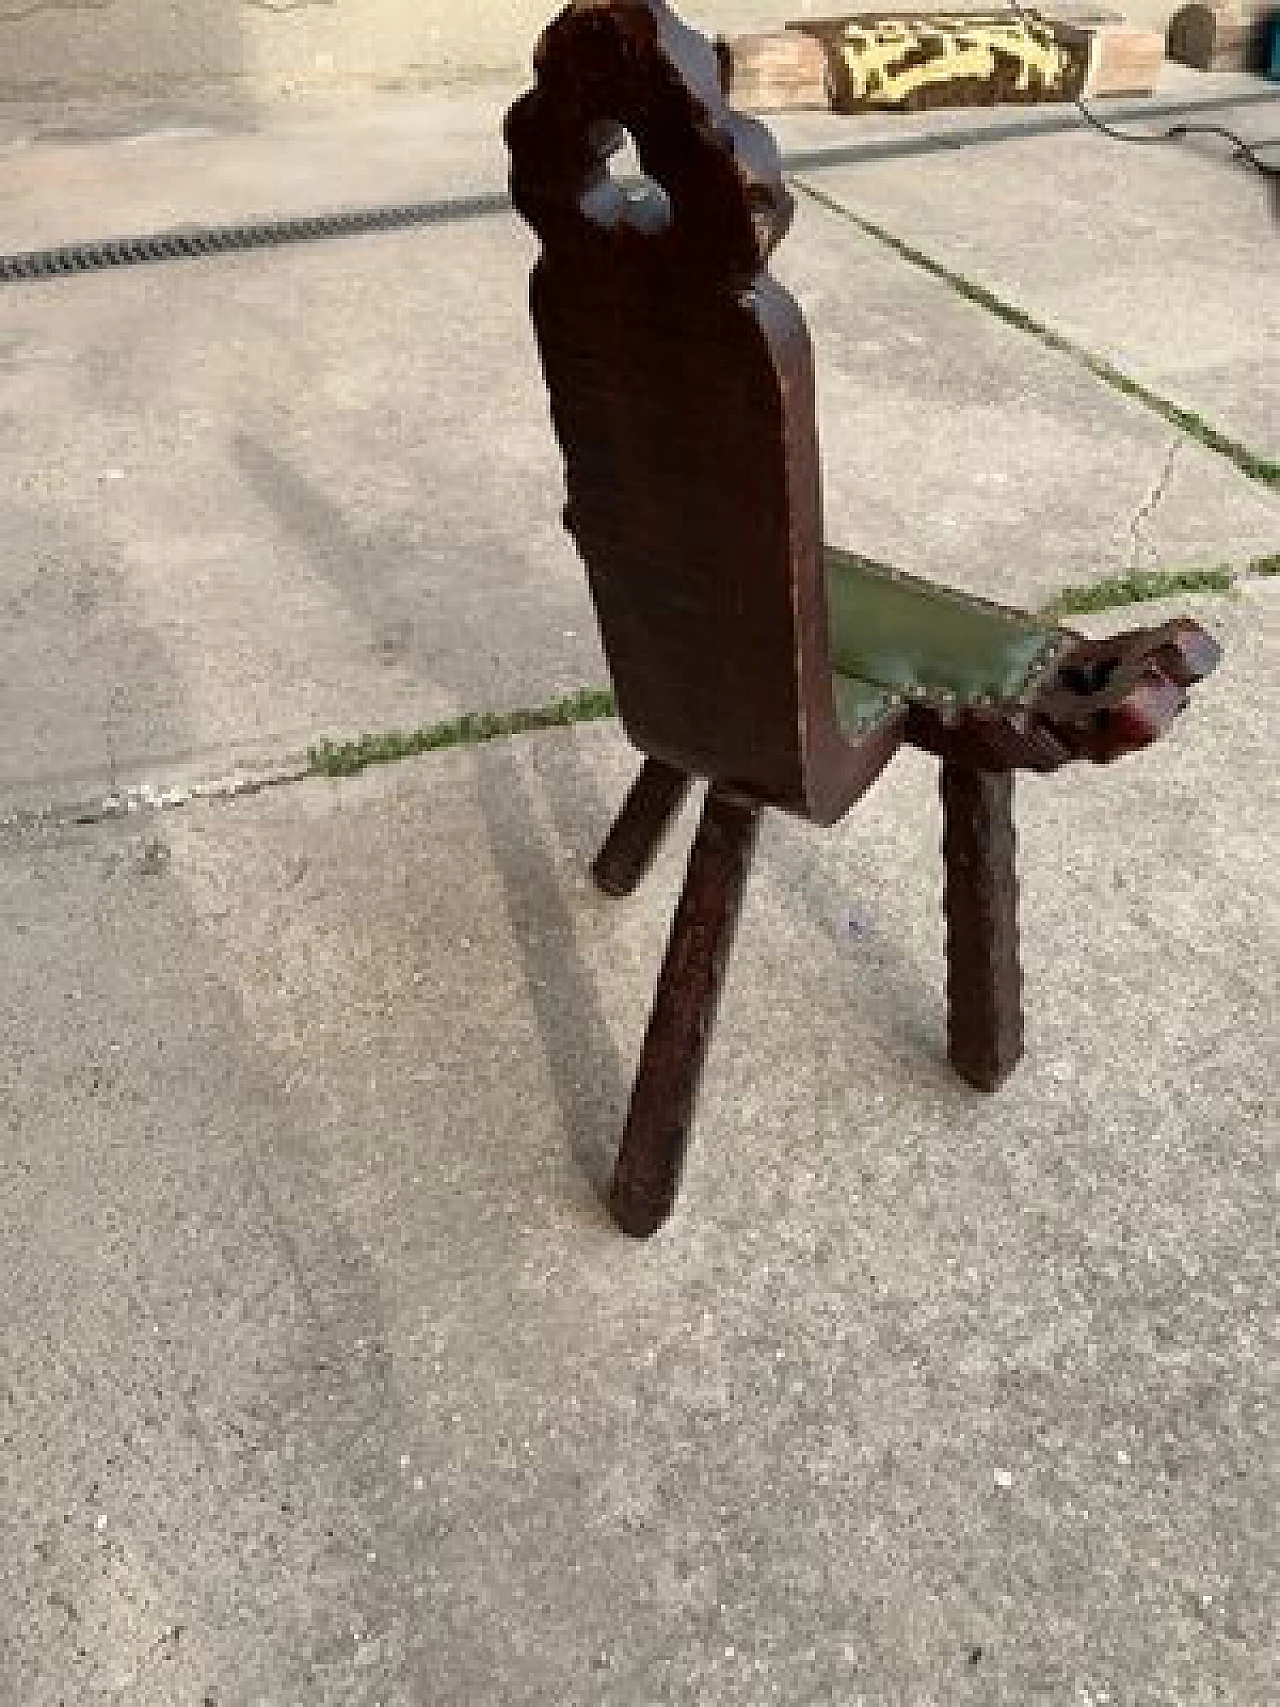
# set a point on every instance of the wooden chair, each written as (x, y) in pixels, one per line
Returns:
(743, 652)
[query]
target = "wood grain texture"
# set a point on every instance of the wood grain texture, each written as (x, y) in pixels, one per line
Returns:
(682, 394)
(984, 979)
(650, 1162)
(917, 61)
(681, 385)
(1123, 60)
(774, 72)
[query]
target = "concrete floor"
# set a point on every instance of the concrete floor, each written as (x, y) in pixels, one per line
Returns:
(325, 1379)
(91, 49)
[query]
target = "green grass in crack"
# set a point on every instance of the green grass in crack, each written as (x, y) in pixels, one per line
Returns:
(348, 758)
(1256, 467)
(1136, 588)
(593, 705)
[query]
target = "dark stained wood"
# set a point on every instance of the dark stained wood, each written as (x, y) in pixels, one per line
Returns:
(1100, 700)
(681, 384)
(647, 1176)
(682, 393)
(918, 61)
(984, 979)
(805, 65)
(629, 849)
(1223, 35)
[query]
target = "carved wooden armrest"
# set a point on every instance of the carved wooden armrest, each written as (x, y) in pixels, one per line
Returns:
(1096, 700)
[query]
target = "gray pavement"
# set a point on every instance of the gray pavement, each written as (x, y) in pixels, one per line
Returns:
(58, 54)
(1100, 243)
(266, 499)
(320, 1352)
(325, 1378)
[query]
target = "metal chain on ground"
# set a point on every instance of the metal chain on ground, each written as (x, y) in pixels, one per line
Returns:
(109, 252)
(104, 253)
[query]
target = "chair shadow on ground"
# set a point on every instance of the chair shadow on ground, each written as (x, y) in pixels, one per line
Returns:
(589, 1077)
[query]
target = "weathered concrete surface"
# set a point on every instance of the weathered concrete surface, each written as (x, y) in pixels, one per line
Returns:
(1100, 241)
(259, 48)
(111, 172)
(261, 500)
(198, 158)
(959, 445)
(255, 502)
(326, 1381)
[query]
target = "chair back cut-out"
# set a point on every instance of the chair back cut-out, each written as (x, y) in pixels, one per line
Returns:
(681, 383)
(682, 393)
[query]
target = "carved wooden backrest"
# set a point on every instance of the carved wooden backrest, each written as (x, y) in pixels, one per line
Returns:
(681, 385)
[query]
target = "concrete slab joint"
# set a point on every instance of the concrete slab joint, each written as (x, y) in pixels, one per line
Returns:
(325, 1379)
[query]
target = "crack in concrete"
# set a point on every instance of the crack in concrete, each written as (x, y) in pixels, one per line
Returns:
(21, 13)
(139, 800)
(144, 798)
(280, 7)
(1151, 503)
(1264, 469)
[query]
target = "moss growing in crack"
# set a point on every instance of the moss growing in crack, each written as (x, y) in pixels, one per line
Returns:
(590, 705)
(1136, 588)
(1195, 426)
(347, 758)
(1260, 468)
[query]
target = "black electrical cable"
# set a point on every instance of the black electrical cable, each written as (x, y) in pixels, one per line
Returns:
(1249, 152)
(1246, 151)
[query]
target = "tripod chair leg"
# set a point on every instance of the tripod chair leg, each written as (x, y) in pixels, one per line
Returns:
(984, 979)
(647, 1176)
(656, 796)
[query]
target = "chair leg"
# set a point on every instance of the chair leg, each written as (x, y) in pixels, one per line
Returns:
(656, 796)
(984, 979)
(647, 1176)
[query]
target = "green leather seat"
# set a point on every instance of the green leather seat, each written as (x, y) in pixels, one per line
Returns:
(894, 638)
